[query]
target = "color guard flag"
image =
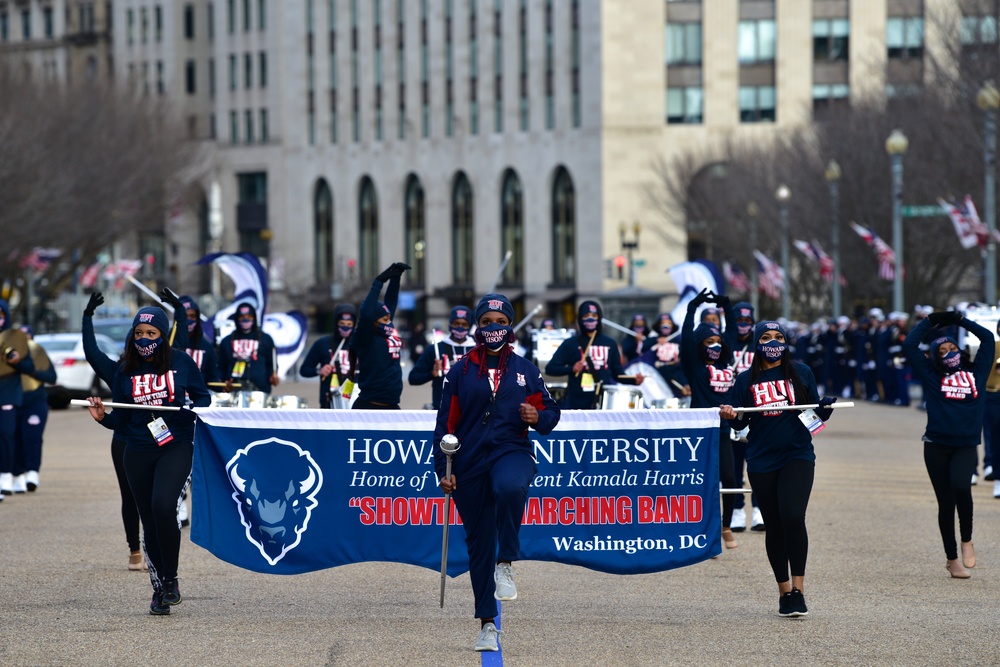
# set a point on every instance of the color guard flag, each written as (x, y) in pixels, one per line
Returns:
(735, 277)
(690, 279)
(885, 254)
(970, 229)
(770, 276)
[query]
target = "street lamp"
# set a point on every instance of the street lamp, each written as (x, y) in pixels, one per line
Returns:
(752, 212)
(783, 194)
(896, 146)
(832, 175)
(628, 246)
(988, 100)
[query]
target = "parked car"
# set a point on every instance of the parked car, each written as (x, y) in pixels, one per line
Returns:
(74, 376)
(115, 328)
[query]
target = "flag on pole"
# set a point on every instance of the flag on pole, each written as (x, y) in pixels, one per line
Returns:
(885, 254)
(961, 217)
(39, 259)
(815, 252)
(735, 277)
(770, 276)
(691, 278)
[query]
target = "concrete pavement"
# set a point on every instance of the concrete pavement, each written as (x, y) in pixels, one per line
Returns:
(876, 586)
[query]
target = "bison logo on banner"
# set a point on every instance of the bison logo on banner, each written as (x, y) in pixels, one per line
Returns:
(275, 484)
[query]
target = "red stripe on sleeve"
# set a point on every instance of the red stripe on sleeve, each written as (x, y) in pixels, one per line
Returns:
(454, 414)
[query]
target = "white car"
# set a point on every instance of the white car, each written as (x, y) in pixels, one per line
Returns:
(74, 376)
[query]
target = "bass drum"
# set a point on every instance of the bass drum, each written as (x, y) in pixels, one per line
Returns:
(621, 397)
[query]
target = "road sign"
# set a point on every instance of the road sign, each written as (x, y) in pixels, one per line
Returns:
(639, 263)
(922, 211)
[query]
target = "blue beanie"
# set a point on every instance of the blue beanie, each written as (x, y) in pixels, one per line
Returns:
(743, 309)
(460, 313)
(494, 302)
(705, 330)
(189, 303)
(154, 316)
(768, 325)
(938, 342)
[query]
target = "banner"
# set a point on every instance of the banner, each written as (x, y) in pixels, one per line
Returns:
(690, 279)
(292, 491)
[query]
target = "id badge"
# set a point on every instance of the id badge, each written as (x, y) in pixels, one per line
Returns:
(587, 382)
(812, 421)
(239, 368)
(334, 382)
(348, 389)
(161, 433)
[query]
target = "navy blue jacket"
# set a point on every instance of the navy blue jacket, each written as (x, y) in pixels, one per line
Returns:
(605, 366)
(467, 398)
(449, 352)
(256, 349)
(331, 349)
(955, 402)
(775, 437)
(380, 376)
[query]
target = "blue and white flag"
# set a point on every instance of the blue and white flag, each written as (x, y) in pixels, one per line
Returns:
(690, 278)
(291, 491)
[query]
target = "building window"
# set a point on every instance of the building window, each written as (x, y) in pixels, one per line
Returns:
(47, 22)
(368, 227)
(262, 65)
(210, 10)
(757, 104)
(323, 229)
(473, 68)
(332, 17)
(158, 23)
(522, 65)
(129, 26)
(247, 18)
(414, 226)
(159, 78)
(425, 76)
(231, 16)
(262, 15)
(683, 43)
(449, 72)
(904, 37)
(247, 71)
(831, 40)
(212, 129)
(512, 228)
(265, 132)
(550, 97)
(26, 24)
(756, 41)
(5, 27)
(498, 66)
(211, 77)
(251, 213)
(188, 21)
(401, 68)
(234, 128)
(355, 90)
(563, 229)
(461, 225)
(233, 71)
(377, 10)
(310, 74)
(248, 117)
(575, 61)
(825, 96)
(685, 105)
(189, 77)
(143, 25)
(977, 30)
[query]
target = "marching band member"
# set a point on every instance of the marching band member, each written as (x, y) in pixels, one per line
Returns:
(376, 345)
(707, 357)
(247, 355)
(991, 423)
(198, 347)
(159, 445)
(664, 354)
(490, 398)
(329, 356)
(589, 359)
(32, 416)
(11, 396)
(633, 346)
(742, 344)
(954, 391)
(438, 357)
(780, 458)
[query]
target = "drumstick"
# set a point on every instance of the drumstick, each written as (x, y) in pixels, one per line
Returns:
(131, 406)
(846, 404)
(534, 311)
(437, 351)
(583, 355)
(220, 384)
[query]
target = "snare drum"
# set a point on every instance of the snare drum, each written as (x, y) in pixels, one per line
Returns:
(254, 400)
(221, 399)
(621, 397)
(545, 342)
(288, 403)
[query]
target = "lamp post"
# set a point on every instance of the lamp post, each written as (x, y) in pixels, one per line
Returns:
(896, 146)
(988, 100)
(628, 246)
(783, 194)
(752, 212)
(832, 175)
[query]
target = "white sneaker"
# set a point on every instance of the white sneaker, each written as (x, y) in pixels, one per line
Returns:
(182, 514)
(504, 578)
(20, 484)
(6, 483)
(975, 479)
(739, 521)
(31, 477)
(487, 640)
(758, 520)
(996, 489)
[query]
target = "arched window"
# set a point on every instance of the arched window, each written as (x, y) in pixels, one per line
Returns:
(368, 265)
(512, 228)
(461, 225)
(413, 223)
(563, 229)
(323, 228)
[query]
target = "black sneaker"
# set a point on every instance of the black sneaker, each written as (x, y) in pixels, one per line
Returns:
(171, 592)
(157, 607)
(792, 604)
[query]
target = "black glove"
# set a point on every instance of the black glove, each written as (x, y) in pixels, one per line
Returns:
(401, 267)
(827, 401)
(173, 301)
(723, 301)
(945, 318)
(385, 275)
(96, 299)
(702, 297)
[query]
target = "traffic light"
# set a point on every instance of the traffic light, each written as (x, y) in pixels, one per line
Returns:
(620, 264)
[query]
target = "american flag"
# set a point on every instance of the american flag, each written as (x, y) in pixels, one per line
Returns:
(815, 252)
(735, 277)
(886, 255)
(964, 218)
(40, 259)
(770, 277)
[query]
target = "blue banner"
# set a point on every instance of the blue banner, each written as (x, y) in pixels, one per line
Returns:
(291, 491)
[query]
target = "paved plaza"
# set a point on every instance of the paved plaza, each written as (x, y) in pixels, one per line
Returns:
(876, 585)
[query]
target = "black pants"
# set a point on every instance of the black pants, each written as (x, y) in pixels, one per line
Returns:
(782, 497)
(157, 479)
(130, 515)
(948, 468)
